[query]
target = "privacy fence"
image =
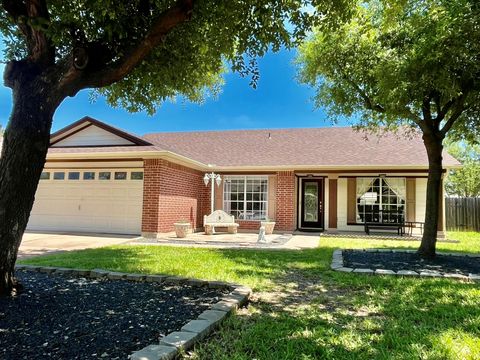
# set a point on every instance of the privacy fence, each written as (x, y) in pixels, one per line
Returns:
(463, 214)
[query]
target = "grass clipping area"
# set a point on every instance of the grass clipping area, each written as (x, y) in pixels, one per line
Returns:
(303, 310)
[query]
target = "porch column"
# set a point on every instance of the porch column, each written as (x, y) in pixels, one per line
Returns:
(332, 202)
(441, 233)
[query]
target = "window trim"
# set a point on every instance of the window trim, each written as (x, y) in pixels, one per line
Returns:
(380, 196)
(245, 177)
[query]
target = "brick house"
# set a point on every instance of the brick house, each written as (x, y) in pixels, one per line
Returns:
(101, 179)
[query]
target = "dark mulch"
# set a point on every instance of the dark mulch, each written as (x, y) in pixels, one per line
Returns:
(63, 317)
(410, 261)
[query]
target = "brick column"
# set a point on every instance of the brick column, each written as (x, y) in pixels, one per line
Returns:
(172, 192)
(285, 201)
(151, 196)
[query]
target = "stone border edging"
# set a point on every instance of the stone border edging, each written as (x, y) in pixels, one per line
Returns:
(337, 265)
(192, 332)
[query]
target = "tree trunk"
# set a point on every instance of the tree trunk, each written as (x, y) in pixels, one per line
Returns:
(434, 151)
(25, 146)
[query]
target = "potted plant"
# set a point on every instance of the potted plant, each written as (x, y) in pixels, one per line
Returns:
(269, 226)
(182, 228)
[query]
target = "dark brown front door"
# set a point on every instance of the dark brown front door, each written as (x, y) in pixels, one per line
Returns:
(312, 204)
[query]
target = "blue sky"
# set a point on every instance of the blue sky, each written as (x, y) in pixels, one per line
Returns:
(278, 102)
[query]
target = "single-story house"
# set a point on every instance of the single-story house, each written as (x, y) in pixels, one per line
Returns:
(98, 178)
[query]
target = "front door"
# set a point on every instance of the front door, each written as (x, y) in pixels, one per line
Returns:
(312, 204)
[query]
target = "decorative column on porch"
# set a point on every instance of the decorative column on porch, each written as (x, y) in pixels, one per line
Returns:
(332, 202)
(441, 211)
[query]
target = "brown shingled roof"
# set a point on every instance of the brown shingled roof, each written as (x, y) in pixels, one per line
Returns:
(333, 146)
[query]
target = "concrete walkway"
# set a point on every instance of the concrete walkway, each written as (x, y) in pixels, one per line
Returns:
(235, 241)
(34, 244)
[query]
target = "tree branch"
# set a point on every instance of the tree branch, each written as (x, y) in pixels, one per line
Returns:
(426, 110)
(40, 48)
(458, 106)
(77, 79)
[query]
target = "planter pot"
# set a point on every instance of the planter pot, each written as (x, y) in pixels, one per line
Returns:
(269, 226)
(182, 229)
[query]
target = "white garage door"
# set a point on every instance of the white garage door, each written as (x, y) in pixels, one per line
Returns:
(106, 200)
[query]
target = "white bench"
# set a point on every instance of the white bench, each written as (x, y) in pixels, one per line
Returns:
(219, 218)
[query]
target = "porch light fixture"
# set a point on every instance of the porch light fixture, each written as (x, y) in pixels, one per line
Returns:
(213, 178)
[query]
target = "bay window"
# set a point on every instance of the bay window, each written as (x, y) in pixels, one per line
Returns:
(246, 197)
(380, 199)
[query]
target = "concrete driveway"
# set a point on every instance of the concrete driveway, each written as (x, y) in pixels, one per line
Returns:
(34, 244)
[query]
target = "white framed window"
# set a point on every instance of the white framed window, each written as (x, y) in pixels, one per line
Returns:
(381, 199)
(246, 197)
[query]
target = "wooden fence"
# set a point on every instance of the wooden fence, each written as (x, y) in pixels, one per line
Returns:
(462, 214)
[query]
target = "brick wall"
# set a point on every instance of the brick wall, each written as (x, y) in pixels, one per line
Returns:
(285, 201)
(172, 192)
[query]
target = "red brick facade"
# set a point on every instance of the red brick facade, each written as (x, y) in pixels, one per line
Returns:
(171, 193)
(285, 201)
(174, 192)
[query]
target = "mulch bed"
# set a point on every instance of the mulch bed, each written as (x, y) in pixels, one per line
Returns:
(396, 261)
(65, 317)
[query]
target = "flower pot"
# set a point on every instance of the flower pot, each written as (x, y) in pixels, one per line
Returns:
(182, 229)
(269, 226)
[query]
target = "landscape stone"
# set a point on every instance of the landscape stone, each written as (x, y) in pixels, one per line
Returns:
(344, 269)
(98, 273)
(363, 271)
(197, 282)
(155, 352)
(474, 277)
(200, 327)
(175, 280)
(47, 269)
(179, 339)
(212, 315)
(217, 284)
(384, 272)
(407, 273)
(155, 278)
(455, 276)
(430, 274)
(135, 277)
(116, 275)
(224, 306)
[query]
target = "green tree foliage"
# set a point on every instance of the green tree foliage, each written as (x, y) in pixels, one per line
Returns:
(160, 48)
(465, 181)
(412, 64)
(136, 53)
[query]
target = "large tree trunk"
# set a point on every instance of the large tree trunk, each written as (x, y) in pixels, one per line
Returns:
(25, 146)
(434, 148)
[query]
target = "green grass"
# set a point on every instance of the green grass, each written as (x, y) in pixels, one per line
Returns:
(302, 310)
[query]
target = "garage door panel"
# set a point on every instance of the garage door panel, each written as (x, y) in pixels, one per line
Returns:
(111, 206)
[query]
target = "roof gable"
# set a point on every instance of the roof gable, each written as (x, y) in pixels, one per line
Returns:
(88, 132)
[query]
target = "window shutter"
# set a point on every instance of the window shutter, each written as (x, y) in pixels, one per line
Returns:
(351, 200)
(411, 185)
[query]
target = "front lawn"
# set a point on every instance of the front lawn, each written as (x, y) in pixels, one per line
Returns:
(302, 310)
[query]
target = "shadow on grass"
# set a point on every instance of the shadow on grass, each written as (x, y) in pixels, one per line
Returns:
(383, 319)
(304, 311)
